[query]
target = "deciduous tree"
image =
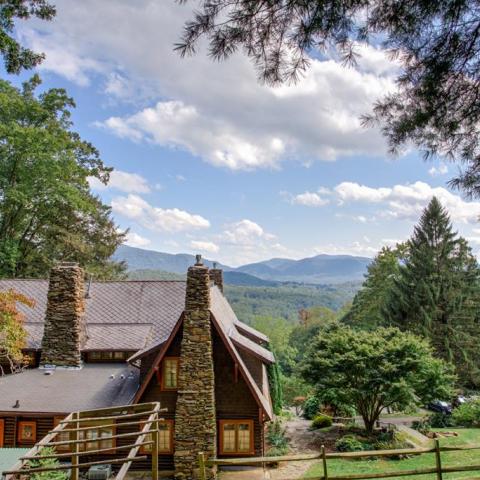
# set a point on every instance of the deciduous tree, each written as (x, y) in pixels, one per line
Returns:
(17, 57)
(47, 212)
(12, 332)
(372, 371)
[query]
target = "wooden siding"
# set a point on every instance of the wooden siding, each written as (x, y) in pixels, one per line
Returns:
(234, 400)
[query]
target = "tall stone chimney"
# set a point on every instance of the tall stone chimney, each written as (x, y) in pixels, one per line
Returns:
(64, 333)
(216, 276)
(195, 419)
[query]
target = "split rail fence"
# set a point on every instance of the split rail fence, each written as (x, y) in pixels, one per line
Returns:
(438, 469)
(142, 418)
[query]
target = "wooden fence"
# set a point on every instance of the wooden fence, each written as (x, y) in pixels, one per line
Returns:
(143, 418)
(437, 469)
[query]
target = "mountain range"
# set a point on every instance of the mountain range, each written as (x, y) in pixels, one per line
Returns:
(320, 269)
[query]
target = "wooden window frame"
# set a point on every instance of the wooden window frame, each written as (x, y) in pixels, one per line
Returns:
(24, 423)
(162, 374)
(2, 432)
(169, 422)
(58, 438)
(83, 447)
(237, 422)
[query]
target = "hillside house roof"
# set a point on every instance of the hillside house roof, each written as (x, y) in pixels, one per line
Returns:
(139, 316)
(96, 385)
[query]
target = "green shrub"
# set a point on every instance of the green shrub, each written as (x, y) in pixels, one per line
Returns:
(276, 437)
(311, 407)
(423, 425)
(467, 414)
(440, 420)
(277, 451)
(349, 443)
(47, 462)
(322, 421)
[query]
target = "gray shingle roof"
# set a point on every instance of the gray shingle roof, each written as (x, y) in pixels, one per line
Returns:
(150, 308)
(69, 390)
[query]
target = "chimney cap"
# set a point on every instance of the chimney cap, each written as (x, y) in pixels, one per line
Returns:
(67, 264)
(198, 259)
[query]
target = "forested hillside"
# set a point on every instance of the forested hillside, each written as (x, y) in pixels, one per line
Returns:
(287, 300)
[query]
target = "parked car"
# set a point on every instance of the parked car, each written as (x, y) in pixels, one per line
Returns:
(458, 400)
(440, 406)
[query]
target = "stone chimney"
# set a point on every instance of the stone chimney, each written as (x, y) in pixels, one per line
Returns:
(64, 333)
(195, 418)
(216, 276)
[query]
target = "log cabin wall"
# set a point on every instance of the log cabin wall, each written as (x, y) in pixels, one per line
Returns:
(233, 398)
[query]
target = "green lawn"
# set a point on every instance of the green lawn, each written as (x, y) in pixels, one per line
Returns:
(471, 457)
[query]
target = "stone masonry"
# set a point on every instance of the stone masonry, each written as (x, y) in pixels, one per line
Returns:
(195, 420)
(216, 276)
(64, 333)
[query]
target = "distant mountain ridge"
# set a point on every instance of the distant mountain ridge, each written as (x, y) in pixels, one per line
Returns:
(321, 269)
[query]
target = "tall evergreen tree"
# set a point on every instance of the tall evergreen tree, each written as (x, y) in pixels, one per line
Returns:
(436, 293)
(367, 311)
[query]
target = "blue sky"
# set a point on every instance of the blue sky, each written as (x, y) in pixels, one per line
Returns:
(208, 160)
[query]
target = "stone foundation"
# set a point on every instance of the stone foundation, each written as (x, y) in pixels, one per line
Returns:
(195, 419)
(64, 332)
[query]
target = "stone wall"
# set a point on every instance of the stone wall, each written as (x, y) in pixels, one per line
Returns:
(216, 276)
(65, 331)
(195, 419)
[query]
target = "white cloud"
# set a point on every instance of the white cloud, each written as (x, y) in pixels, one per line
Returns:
(123, 181)
(135, 240)
(408, 201)
(204, 246)
(442, 169)
(356, 192)
(217, 111)
(309, 199)
(246, 232)
(169, 220)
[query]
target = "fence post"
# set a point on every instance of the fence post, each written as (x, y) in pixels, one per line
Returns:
(154, 435)
(324, 460)
(75, 448)
(438, 460)
(201, 464)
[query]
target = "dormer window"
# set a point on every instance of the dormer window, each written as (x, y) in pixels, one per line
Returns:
(169, 380)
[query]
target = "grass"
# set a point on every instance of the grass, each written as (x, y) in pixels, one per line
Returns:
(449, 459)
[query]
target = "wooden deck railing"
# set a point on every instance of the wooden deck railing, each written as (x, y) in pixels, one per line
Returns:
(437, 469)
(144, 417)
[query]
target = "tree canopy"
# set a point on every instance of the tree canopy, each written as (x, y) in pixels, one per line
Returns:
(436, 105)
(370, 302)
(371, 371)
(436, 293)
(15, 56)
(12, 332)
(47, 212)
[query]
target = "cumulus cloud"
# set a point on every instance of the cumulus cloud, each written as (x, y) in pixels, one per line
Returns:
(135, 240)
(245, 232)
(170, 220)
(400, 201)
(442, 169)
(123, 181)
(309, 199)
(204, 246)
(408, 201)
(217, 111)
